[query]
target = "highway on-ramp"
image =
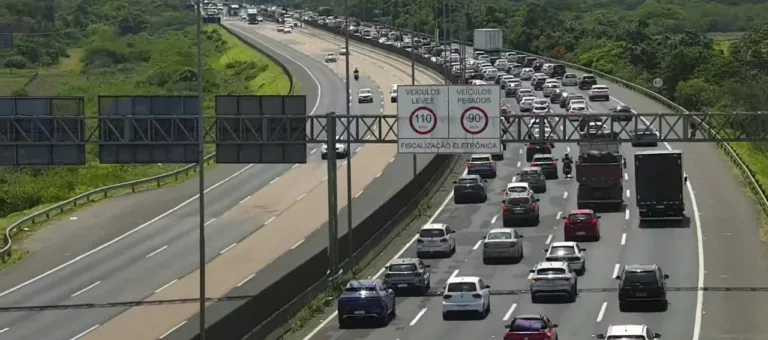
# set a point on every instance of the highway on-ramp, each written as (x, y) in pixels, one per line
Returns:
(717, 246)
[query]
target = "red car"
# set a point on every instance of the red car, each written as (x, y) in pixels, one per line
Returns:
(582, 224)
(531, 327)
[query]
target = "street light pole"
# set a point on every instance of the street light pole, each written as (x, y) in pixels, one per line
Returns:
(349, 134)
(201, 164)
(413, 82)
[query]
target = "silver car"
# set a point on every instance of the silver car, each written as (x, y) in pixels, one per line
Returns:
(570, 79)
(570, 252)
(408, 273)
(553, 279)
(502, 244)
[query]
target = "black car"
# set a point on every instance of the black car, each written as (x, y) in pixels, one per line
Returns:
(554, 98)
(537, 148)
(534, 177)
(520, 208)
(539, 84)
(640, 284)
(537, 65)
(622, 113)
(558, 71)
(470, 188)
(587, 81)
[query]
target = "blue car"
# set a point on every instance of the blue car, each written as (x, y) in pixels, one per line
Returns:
(366, 300)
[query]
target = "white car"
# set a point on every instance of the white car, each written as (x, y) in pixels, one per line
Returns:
(576, 102)
(490, 74)
(541, 109)
(527, 73)
(287, 30)
(393, 94)
(570, 252)
(522, 93)
(435, 238)
(516, 69)
(466, 294)
(540, 102)
(599, 92)
(280, 28)
(330, 57)
(547, 69)
(549, 88)
(634, 332)
(570, 79)
(502, 243)
(536, 76)
(506, 79)
(553, 279)
(510, 56)
(365, 96)
(501, 65)
(526, 105)
(477, 82)
(517, 187)
(343, 50)
(575, 111)
(341, 151)
(551, 81)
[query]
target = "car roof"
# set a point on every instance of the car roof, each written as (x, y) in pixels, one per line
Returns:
(406, 260)
(640, 267)
(563, 244)
(542, 155)
(626, 330)
(473, 279)
(434, 226)
(470, 177)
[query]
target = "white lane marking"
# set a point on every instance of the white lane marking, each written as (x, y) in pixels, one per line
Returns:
(549, 239)
(313, 151)
(297, 244)
(209, 221)
(358, 149)
(615, 270)
(623, 239)
(84, 333)
(626, 177)
(319, 89)
(565, 195)
(166, 286)
(530, 275)
(86, 288)
(246, 280)
(602, 312)
(567, 149)
(156, 251)
(274, 180)
(518, 164)
(626, 214)
(115, 240)
(244, 199)
(227, 248)
(392, 160)
(509, 312)
(455, 272)
(269, 220)
(172, 329)
(295, 165)
(4, 330)
(521, 151)
(379, 174)
(359, 193)
(418, 316)
(493, 220)
(301, 196)
(627, 192)
(559, 213)
(700, 248)
(477, 245)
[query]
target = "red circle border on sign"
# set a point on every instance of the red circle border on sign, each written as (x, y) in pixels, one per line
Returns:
(434, 117)
(464, 114)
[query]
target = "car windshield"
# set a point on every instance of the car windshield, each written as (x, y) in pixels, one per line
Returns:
(518, 201)
(467, 181)
(578, 108)
(529, 174)
(540, 108)
(429, 233)
(543, 159)
(626, 337)
(500, 236)
(409, 267)
(528, 325)
(550, 271)
(642, 278)
(569, 76)
(365, 91)
(479, 159)
(580, 217)
(588, 78)
(457, 287)
(520, 189)
(562, 250)
(353, 289)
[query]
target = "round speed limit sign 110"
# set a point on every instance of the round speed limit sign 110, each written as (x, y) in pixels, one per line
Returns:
(474, 120)
(423, 120)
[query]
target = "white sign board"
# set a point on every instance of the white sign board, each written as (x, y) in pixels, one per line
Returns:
(438, 119)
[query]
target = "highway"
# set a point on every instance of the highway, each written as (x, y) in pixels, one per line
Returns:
(709, 249)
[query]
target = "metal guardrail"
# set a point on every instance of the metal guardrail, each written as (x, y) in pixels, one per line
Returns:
(104, 192)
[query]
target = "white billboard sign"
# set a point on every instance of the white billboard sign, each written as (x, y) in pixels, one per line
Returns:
(442, 119)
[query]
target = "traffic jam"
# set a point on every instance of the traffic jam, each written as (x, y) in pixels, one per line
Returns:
(521, 195)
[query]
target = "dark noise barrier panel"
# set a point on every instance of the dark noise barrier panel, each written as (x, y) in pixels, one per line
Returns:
(276, 304)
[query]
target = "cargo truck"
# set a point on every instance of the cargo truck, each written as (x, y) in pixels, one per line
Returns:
(253, 16)
(659, 182)
(488, 40)
(600, 174)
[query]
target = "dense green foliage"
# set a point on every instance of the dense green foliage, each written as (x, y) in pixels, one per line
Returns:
(116, 47)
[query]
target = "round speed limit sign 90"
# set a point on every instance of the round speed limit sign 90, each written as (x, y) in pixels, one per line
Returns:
(474, 120)
(423, 120)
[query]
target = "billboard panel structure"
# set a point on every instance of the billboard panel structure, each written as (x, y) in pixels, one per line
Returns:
(244, 136)
(148, 129)
(42, 131)
(6, 36)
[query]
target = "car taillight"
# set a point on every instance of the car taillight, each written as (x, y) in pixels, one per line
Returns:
(566, 279)
(491, 164)
(477, 296)
(485, 245)
(447, 296)
(506, 208)
(554, 164)
(419, 241)
(594, 223)
(529, 147)
(443, 240)
(469, 165)
(533, 208)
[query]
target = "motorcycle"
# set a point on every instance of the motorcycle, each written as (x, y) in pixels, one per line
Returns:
(357, 77)
(567, 168)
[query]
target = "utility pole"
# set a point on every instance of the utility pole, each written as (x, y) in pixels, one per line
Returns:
(413, 82)
(201, 164)
(333, 223)
(349, 134)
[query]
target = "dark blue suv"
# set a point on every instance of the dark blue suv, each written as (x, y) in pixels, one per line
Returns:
(366, 300)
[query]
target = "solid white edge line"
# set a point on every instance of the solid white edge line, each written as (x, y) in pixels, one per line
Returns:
(85, 289)
(602, 312)
(227, 248)
(418, 316)
(244, 199)
(477, 245)
(156, 251)
(172, 329)
(297, 244)
(269, 220)
(166, 286)
(623, 239)
(84, 333)
(616, 270)
(509, 312)
(4, 330)
(121, 237)
(301, 196)
(245, 280)
(210, 221)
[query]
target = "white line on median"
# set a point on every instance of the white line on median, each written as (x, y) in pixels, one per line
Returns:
(477, 245)
(244, 199)
(602, 312)
(209, 221)
(227, 248)
(509, 312)
(295, 165)
(156, 251)
(615, 270)
(269, 220)
(623, 239)
(301, 196)
(359, 193)
(418, 316)
(173, 329)
(86, 288)
(84, 333)
(626, 177)
(4, 330)
(313, 151)
(627, 192)
(379, 174)
(246, 280)
(166, 286)
(518, 164)
(297, 244)
(274, 180)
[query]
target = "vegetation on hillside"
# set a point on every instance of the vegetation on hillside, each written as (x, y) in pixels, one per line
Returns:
(114, 47)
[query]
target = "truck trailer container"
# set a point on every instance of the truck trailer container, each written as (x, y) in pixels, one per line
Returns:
(489, 40)
(659, 182)
(600, 174)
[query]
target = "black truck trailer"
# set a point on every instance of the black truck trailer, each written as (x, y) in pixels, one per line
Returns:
(659, 185)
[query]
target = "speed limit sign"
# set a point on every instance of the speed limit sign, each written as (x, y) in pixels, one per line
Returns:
(423, 120)
(474, 120)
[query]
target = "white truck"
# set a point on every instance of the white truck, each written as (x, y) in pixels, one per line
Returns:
(488, 40)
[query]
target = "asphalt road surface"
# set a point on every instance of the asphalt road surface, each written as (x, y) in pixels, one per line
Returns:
(716, 246)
